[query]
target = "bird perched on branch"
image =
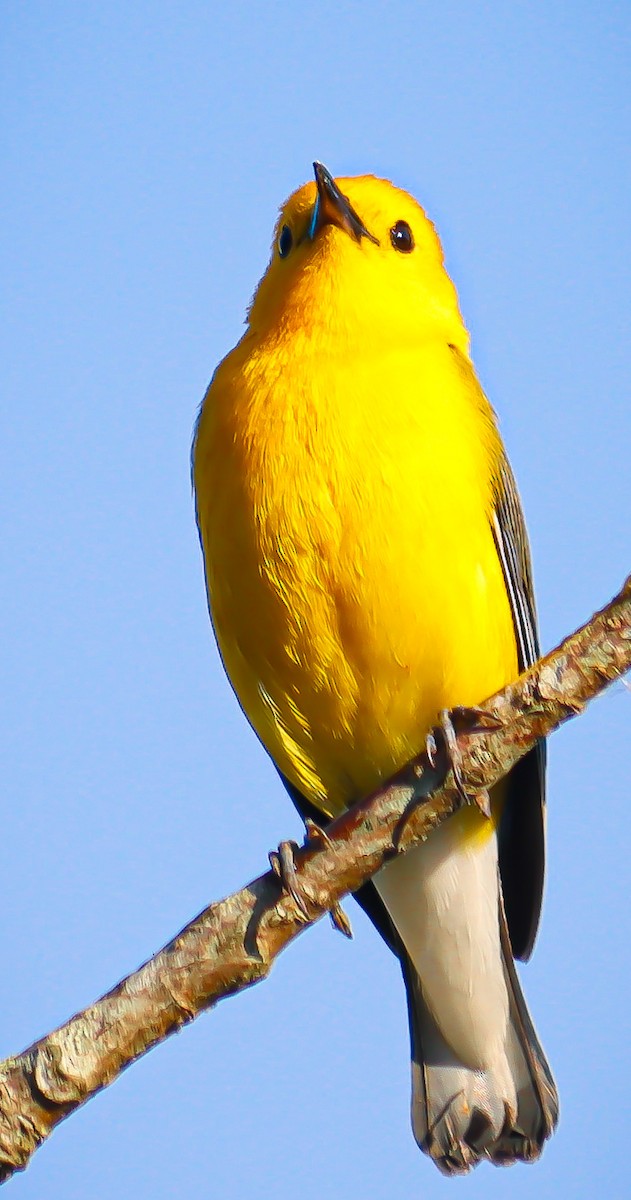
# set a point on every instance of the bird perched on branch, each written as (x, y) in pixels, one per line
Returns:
(367, 567)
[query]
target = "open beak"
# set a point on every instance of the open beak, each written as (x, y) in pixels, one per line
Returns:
(332, 208)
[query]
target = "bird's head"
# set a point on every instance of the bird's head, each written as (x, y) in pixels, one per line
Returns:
(356, 257)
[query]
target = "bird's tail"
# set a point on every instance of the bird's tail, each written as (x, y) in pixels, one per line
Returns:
(459, 1115)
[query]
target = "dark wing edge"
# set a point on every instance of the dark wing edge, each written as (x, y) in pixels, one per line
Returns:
(522, 828)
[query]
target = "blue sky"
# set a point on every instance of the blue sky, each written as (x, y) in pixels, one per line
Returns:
(146, 149)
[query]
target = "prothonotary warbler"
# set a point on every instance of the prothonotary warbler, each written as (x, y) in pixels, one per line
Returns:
(367, 567)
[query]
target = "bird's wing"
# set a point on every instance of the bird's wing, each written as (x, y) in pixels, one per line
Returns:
(511, 539)
(522, 831)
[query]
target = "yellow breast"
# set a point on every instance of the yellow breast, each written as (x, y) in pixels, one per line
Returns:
(353, 581)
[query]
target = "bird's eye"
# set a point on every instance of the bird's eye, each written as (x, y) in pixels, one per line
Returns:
(401, 237)
(285, 241)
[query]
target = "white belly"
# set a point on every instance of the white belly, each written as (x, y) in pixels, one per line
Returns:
(443, 899)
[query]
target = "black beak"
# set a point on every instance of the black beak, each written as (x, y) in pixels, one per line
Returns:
(332, 208)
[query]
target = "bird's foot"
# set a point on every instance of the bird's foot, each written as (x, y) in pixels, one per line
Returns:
(283, 864)
(451, 722)
(320, 838)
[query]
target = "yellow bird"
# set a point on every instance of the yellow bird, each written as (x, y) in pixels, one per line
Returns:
(367, 566)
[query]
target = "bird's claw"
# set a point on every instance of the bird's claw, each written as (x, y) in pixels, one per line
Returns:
(340, 921)
(316, 835)
(431, 748)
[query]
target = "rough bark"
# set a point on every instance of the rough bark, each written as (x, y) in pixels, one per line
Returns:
(233, 943)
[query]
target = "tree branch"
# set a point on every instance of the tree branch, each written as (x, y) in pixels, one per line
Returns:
(233, 943)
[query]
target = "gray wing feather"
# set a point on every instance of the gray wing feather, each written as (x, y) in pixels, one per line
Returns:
(511, 541)
(522, 830)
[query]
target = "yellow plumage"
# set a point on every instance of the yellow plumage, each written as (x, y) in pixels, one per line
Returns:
(346, 492)
(347, 468)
